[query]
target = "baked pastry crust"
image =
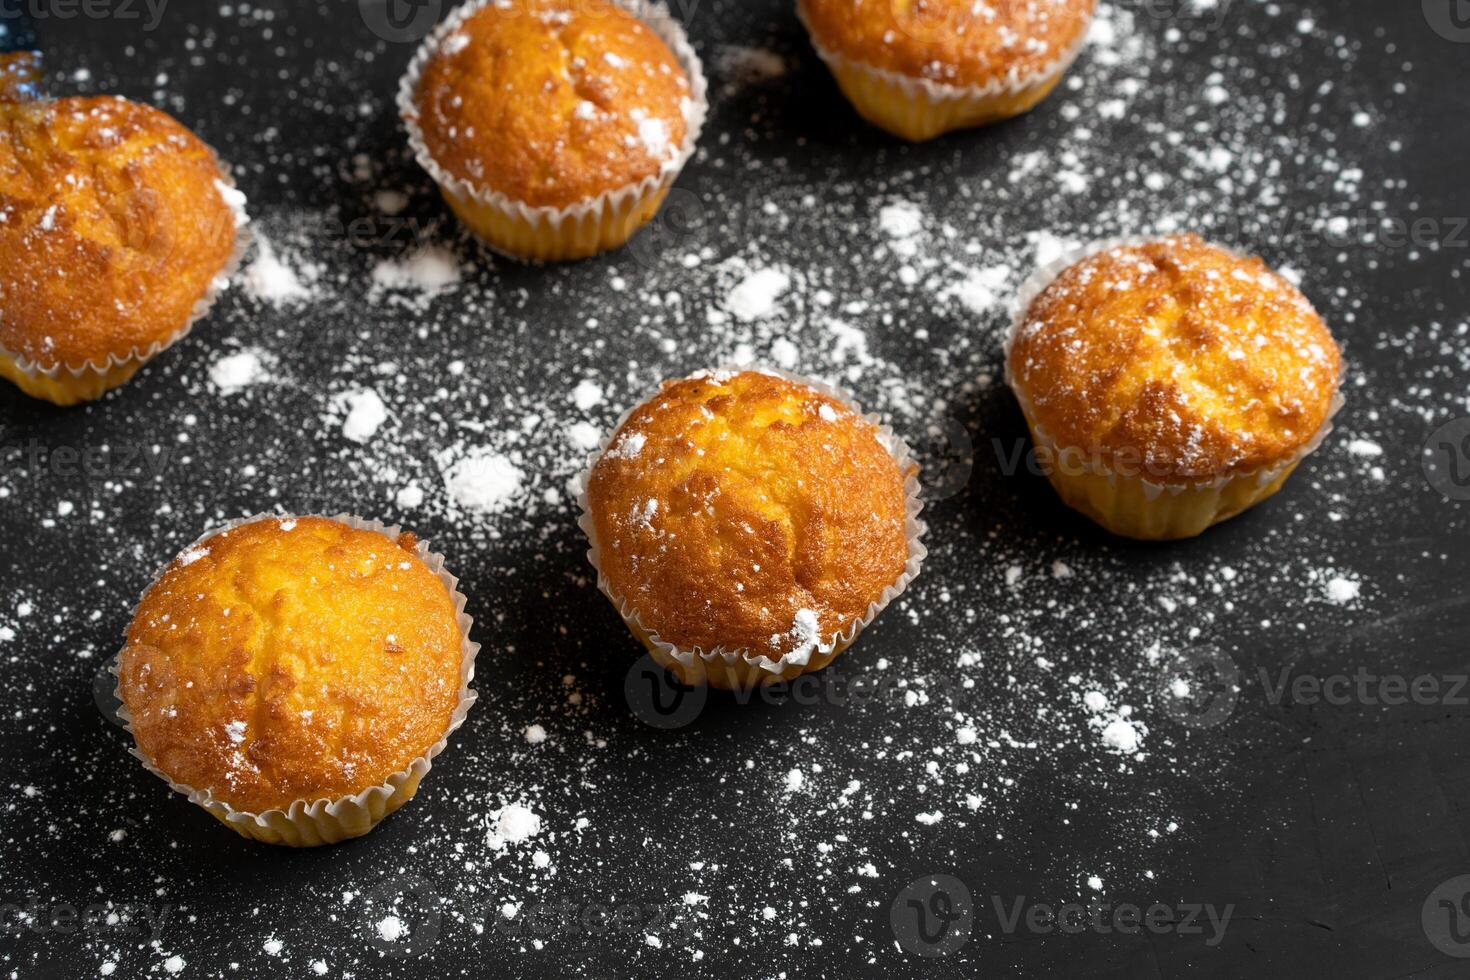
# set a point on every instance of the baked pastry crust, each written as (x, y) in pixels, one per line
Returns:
(291, 660)
(746, 512)
(952, 42)
(1176, 360)
(553, 102)
(113, 227)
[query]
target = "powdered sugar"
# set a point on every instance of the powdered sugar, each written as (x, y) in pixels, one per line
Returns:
(483, 481)
(234, 372)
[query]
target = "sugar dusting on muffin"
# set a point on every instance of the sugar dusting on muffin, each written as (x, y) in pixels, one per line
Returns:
(741, 511)
(115, 224)
(288, 660)
(956, 42)
(1197, 361)
(552, 102)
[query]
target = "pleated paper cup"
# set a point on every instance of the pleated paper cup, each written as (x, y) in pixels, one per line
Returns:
(919, 109)
(72, 384)
(313, 822)
(546, 234)
(1131, 504)
(741, 669)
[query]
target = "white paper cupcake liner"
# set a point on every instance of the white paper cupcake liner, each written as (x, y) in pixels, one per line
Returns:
(741, 668)
(936, 103)
(136, 357)
(1033, 287)
(308, 823)
(593, 212)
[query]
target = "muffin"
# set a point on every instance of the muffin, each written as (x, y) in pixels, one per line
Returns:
(117, 228)
(1170, 384)
(919, 68)
(748, 525)
(295, 676)
(554, 128)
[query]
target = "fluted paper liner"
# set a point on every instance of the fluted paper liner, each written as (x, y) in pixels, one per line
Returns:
(546, 234)
(1131, 504)
(67, 385)
(920, 108)
(740, 669)
(309, 823)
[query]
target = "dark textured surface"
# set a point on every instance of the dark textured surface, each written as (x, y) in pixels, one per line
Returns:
(1326, 826)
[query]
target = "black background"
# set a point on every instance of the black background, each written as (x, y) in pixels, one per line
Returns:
(1326, 827)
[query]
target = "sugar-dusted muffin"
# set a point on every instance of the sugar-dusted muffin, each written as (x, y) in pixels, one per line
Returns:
(554, 128)
(295, 676)
(919, 68)
(1171, 384)
(117, 228)
(749, 525)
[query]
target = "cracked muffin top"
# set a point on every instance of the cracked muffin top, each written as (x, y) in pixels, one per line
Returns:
(291, 659)
(1179, 356)
(552, 102)
(747, 512)
(115, 222)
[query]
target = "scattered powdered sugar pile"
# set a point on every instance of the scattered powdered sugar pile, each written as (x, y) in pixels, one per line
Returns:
(365, 413)
(483, 481)
(270, 279)
(512, 824)
(235, 372)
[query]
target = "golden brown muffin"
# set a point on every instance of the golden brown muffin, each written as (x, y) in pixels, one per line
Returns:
(551, 102)
(978, 62)
(114, 224)
(554, 128)
(1178, 363)
(746, 512)
(291, 660)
